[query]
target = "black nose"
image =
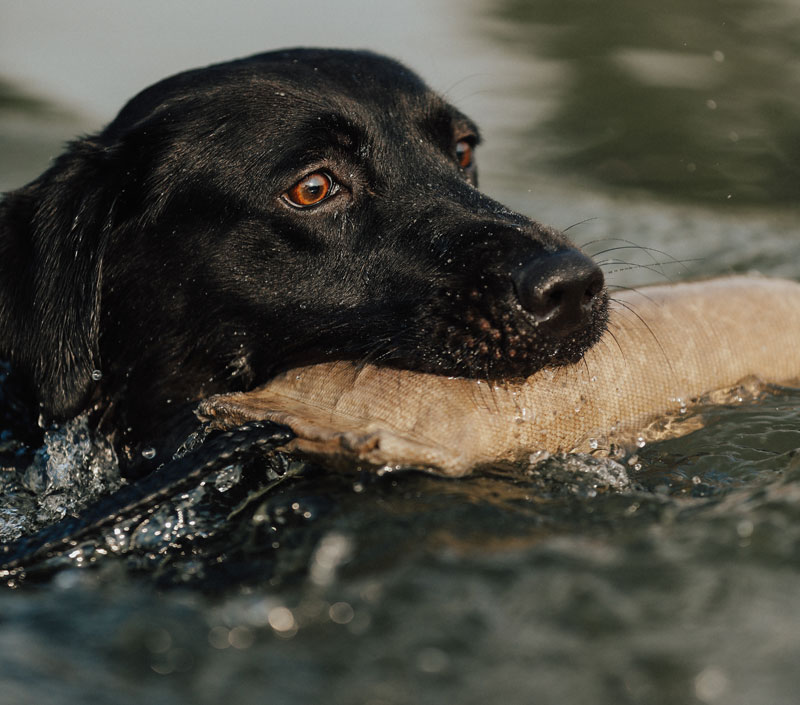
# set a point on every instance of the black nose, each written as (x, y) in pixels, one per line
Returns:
(559, 289)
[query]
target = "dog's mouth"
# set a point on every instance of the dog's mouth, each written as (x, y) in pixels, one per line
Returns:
(502, 342)
(549, 314)
(481, 333)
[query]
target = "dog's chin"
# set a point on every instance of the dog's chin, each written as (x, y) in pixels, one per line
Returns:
(507, 359)
(498, 343)
(473, 364)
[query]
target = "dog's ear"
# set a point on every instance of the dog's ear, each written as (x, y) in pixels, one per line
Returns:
(53, 233)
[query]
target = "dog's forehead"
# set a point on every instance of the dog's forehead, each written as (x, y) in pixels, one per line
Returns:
(288, 88)
(327, 70)
(359, 87)
(369, 93)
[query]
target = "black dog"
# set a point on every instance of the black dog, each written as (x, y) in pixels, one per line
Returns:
(288, 208)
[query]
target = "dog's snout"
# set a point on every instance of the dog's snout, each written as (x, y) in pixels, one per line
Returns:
(559, 289)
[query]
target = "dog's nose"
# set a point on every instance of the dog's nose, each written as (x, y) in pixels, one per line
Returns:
(559, 289)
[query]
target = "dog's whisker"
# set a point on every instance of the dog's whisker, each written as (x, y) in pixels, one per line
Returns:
(650, 251)
(623, 266)
(580, 222)
(630, 308)
(610, 334)
(620, 287)
(604, 262)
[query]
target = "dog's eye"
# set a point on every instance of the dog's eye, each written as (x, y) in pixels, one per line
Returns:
(310, 190)
(464, 154)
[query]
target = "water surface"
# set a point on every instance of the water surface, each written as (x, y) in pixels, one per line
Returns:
(666, 575)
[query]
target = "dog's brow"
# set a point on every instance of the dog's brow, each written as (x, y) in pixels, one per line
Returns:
(465, 127)
(322, 131)
(446, 124)
(315, 139)
(337, 126)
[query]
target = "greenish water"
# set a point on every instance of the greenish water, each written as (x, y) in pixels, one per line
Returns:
(696, 101)
(670, 576)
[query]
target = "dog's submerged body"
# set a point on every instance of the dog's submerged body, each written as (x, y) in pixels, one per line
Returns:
(246, 218)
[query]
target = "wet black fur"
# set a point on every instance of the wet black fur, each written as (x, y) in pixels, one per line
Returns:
(161, 253)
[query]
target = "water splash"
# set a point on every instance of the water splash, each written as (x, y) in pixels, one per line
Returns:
(71, 470)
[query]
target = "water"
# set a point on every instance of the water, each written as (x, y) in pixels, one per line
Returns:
(668, 574)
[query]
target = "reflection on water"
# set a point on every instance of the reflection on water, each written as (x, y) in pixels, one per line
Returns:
(686, 99)
(13, 99)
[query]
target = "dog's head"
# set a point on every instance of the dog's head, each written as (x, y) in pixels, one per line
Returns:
(287, 208)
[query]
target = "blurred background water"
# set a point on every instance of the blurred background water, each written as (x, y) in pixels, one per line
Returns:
(632, 122)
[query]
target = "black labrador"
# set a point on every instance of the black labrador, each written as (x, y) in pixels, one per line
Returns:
(287, 208)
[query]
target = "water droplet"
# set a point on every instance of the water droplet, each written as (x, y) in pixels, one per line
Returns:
(334, 550)
(710, 684)
(640, 442)
(282, 621)
(538, 456)
(341, 613)
(745, 528)
(524, 415)
(149, 453)
(228, 477)
(97, 375)
(241, 637)
(594, 444)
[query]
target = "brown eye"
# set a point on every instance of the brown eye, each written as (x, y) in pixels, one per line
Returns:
(464, 154)
(310, 190)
